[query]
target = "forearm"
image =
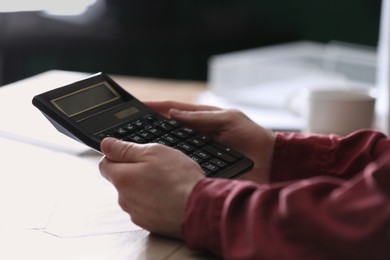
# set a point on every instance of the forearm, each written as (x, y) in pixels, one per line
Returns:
(321, 218)
(299, 156)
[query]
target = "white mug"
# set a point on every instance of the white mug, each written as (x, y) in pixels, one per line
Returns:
(338, 111)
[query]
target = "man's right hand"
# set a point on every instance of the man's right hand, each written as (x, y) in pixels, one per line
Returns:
(228, 126)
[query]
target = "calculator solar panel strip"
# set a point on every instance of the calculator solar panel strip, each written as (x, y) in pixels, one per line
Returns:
(96, 107)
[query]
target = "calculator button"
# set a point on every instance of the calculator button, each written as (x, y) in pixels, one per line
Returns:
(180, 134)
(165, 126)
(196, 142)
(188, 130)
(186, 147)
(204, 138)
(202, 154)
(219, 153)
(140, 123)
(150, 118)
(146, 135)
(228, 150)
(121, 132)
(181, 150)
(196, 158)
(153, 130)
(162, 141)
(173, 122)
(170, 138)
(131, 128)
(218, 162)
(211, 167)
(135, 138)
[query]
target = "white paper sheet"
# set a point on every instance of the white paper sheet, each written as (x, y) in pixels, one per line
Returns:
(60, 193)
(20, 120)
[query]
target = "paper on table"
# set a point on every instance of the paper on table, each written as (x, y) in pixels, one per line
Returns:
(20, 120)
(88, 203)
(89, 217)
(60, 193)
(28, 190)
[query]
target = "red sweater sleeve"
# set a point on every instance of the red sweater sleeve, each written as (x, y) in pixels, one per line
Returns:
(321, 217)
(299, 156)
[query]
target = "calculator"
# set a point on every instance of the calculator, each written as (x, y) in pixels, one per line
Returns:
(96, 107)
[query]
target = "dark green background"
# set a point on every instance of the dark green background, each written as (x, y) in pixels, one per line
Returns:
(174, 39)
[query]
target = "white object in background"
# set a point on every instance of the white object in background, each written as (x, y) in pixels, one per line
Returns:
(232, 74)
(282, 64)
(49, 6)
(265, 82)
(272, 77)
(275, 119)
(336, 111)
(383, 76)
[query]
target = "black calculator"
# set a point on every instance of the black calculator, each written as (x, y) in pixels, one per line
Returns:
(97, 107)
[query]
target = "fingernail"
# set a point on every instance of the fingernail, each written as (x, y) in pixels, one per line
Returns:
(107, 144)
(175, 111)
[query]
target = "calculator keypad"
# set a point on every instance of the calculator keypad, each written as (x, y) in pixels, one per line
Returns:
(210, 155)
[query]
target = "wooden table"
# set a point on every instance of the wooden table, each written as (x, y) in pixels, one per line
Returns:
(156, 89)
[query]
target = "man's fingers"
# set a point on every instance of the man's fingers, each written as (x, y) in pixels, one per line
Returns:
(121, 158)
(202, 120)
(163, 107)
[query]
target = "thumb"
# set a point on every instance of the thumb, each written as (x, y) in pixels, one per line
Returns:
(119, 151)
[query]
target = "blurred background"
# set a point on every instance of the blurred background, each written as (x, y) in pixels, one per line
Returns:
(167, 38)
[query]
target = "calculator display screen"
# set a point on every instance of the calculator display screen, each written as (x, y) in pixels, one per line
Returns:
(85, 99)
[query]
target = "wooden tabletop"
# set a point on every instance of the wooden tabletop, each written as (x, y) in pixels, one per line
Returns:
(161, 89)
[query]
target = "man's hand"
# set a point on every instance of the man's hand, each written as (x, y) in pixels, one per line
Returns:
(153, 182)
(230, 127)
